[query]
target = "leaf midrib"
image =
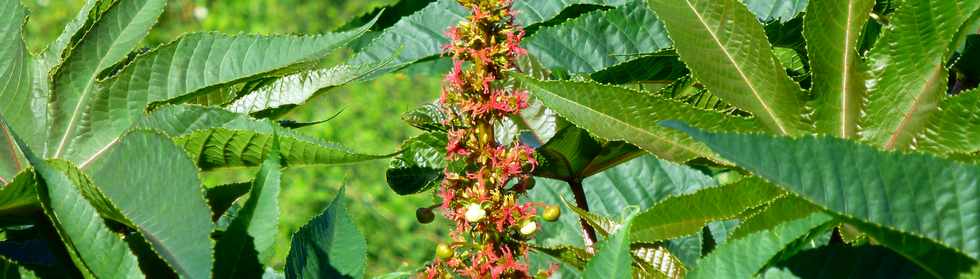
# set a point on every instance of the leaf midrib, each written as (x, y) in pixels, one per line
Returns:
(738, 69)
(914, 107)
(99, 67)
(845, 74)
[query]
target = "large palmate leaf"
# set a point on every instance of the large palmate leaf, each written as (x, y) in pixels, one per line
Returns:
(686, 214)
(915, 193)
(218, 138)
(725, 48)
(832, 32)
(956, 126)
(617, 113)
(619, 44)
(190, 66)
(93, 247)
(108, 42)
(743, 258)
(329, 246)
(909, 75)
(421, 35)
(153, 183)
(610, 37)
(17, 73)
(250, 237)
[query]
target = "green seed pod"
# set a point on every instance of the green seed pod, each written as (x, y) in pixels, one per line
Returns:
(551, 213)
(424, 215)
(443, 251)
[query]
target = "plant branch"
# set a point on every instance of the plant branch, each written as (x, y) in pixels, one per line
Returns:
(588, 233)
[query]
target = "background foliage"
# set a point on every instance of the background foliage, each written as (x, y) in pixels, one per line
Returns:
(361, 122)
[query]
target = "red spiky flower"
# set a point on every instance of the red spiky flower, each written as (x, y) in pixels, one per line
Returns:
(491, 225)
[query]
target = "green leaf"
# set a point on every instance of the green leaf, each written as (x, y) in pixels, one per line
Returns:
(612, 259)
(23, 109)
(387, 15)
(775, 212)
(155, 186)
(916, 194)
(611, 37)
(909, 75)
(654, 260)
(641, 182)
(220, 198)
(419, 166)
(329, 246)
(413, 38)
(686, 214)
(832, 32)
(935, 259)
(294, 90)
(73, 31)
(92, 246)
(836, 261)
(20, 195)
(250, 237)
(617, 113)
(568, 254)
(602, 225)
(573, 154)
(421, 35)
(428, 117)
(744, 257)
(782, 11)
(74, 86)
(205, 61)
(534, 126)
(221, 148)
(725, 47)
(218, 138)
(534, 12)
(955, 128)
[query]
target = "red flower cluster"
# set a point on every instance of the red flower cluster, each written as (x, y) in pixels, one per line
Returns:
(484, 178)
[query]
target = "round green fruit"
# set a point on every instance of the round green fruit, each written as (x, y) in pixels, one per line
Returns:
(551, 213)
(424, 215)
(443, 251)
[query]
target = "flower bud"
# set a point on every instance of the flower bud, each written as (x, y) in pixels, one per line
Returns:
(424, 215)
(443, 251)
(474, 213)
(551, 213)
(529, 227)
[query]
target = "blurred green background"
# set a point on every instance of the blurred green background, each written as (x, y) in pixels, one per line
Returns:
(369, 121)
